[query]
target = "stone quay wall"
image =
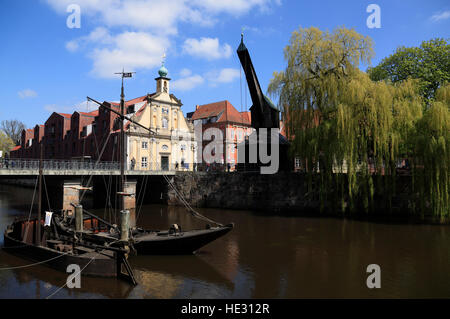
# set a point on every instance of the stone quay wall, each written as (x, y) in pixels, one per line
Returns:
(285, 193)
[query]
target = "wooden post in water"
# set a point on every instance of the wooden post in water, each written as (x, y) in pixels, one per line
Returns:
(79, 218)
(124, 224)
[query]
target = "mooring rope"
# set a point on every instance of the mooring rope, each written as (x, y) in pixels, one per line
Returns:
(35, 264)
(51, 295)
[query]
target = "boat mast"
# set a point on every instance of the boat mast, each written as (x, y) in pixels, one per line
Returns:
(38, 226)
(122, 152)
(122, 148)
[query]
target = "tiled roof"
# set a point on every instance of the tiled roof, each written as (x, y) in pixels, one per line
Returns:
(136, 100)
(225, 111)
(247, 116)
(93, 113)
(16, 148)
(65, 115)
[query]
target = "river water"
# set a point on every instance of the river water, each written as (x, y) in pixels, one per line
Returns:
(263, 257)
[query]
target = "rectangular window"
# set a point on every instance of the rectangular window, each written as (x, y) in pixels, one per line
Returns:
(165, 123)
(297, 162)
(144, 162)
(144, 145)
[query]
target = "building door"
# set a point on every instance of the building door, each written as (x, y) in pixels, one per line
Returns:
(165, 163)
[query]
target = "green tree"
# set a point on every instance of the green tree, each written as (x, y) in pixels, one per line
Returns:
(429, 63)
(339, 120)
(6, 143)
(431, 143)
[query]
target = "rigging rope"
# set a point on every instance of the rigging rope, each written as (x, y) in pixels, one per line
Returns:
(46, 193)
(108, 197)
(96, 163)
(188, 206)
(28, 220)
(185, 203)
(31, 208)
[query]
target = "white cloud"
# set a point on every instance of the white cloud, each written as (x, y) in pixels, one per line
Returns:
(234, 7)
(188, 83)
(440, 16)
(130, 50)
(64, 108)
(27, 93)
(98, 36)
(226, 75)
(160, 15)
(151, 26)
(72, 46)
(213, 78)
(185, 72)
(208, 48)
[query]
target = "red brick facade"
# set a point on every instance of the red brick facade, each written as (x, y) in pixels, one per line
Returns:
(74, 136)
(234, 125)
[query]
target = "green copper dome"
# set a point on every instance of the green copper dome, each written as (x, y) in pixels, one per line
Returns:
(163, 71)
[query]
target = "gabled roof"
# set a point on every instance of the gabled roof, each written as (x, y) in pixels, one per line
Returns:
(136, 100)
(92, 113)
(65, 115)
(225, 112)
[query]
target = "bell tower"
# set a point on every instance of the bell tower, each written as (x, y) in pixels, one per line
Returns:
(162, 82)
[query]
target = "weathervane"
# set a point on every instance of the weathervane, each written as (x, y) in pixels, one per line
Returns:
(125, 74)
(163, 58)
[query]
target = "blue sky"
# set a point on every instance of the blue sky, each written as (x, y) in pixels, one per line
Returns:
(48, 67)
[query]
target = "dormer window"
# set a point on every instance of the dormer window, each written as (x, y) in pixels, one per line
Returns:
(130, 109)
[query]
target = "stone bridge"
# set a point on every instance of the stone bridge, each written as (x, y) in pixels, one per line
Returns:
(65, 180)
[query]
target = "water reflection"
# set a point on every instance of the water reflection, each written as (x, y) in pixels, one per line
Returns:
(263, 257)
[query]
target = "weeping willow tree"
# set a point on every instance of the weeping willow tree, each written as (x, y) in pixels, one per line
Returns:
(431, 144)
(347, 129)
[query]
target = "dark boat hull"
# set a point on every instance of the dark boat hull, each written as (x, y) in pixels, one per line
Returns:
(178, 244)
(147, 242)
(98, 267)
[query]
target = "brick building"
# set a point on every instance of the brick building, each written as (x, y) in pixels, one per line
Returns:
(235, 126)
(93, 135)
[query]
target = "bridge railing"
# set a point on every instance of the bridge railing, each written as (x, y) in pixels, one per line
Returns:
(76, 165)
(32, 164)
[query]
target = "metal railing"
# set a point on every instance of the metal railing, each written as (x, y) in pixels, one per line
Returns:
(33, 164)
(76, 165)
(155, 166)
